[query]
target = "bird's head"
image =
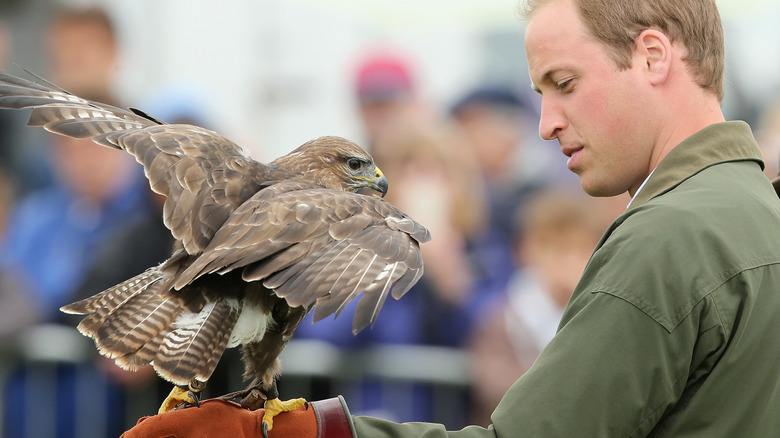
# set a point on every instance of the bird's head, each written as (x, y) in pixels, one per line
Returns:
(335, 163)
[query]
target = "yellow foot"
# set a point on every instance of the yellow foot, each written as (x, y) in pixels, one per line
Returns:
(178, 395)
(274, 407)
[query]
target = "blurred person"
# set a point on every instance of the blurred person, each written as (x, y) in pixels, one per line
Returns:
(672, 327)
(494, 123)
(768, 138)
(556, 232)
(53, 229)
(54, 232)
(414, 147)
(386, 92)
(436, 179)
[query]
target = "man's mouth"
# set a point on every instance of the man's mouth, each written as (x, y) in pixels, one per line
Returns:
(573, 153)
(570, 150)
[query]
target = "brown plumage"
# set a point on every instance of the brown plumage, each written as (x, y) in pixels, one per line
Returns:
(259, 245)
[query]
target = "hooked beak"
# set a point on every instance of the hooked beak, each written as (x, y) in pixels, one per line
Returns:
(378, 182)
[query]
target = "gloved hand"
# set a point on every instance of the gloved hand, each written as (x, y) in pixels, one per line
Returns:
(219, 418)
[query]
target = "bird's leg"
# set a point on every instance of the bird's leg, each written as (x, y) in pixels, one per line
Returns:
(273, 407)
(182, 397)
(267, 396)
(251, 398)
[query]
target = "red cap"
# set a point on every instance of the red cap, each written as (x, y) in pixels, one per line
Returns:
(383, 77)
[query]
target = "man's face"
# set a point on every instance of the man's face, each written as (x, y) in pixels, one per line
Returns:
(82, 56)
(598, 114)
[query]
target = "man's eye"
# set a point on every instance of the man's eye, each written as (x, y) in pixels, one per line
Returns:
(565, 85)
(354, 164)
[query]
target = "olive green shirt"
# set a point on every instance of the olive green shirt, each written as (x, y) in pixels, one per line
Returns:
(674, 328)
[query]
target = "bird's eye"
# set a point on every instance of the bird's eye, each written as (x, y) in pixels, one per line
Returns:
(354, 164)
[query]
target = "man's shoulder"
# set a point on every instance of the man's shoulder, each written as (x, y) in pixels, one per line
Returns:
(667, 255)
(730, 201)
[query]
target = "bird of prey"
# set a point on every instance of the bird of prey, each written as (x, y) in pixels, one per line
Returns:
(258, 245)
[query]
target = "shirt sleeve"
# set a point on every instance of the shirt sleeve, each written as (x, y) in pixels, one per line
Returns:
(611, 370)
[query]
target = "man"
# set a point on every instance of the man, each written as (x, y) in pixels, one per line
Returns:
(673, 328)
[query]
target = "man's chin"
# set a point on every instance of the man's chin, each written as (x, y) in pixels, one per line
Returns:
(598, 190)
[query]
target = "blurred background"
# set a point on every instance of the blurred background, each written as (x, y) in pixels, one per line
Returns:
(438, 91)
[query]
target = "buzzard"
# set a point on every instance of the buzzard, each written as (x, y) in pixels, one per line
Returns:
(258, 245)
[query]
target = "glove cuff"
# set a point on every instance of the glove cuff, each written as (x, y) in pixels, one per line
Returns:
(333, 418)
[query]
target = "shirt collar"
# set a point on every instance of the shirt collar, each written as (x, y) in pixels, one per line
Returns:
(639, 189)
(718, 143)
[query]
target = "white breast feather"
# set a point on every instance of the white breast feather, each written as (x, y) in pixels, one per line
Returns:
(250, 326)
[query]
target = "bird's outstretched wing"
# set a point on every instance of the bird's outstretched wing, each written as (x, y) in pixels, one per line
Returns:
(204, 175)
(309, 244)
(318, 246)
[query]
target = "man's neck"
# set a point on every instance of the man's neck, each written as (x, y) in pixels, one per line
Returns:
(685, 121)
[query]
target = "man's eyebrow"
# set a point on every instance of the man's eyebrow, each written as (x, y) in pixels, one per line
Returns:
(547, 76)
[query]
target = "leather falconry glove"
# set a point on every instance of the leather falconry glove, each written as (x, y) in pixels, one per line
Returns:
(219, 418)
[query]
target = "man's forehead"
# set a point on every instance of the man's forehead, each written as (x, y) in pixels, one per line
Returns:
(555, 21)
(553, 37)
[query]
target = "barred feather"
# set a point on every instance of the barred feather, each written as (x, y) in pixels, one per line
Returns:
(115, 297)
(111, 298)
(137, 322)
(196, 342)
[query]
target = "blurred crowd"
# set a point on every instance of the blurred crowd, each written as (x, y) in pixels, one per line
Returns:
(511, 232)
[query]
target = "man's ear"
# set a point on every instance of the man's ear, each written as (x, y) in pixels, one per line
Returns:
(654, 53)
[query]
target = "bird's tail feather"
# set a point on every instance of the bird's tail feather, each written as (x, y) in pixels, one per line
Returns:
(196, 342)
(138, 321)
(98, 307)
(142, 321)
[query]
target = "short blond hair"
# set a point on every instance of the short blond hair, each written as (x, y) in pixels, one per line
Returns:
(694, 23)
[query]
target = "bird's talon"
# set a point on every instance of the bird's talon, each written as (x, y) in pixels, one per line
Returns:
(274, 407)
(177, 399)
(195, 400)
(265, 429)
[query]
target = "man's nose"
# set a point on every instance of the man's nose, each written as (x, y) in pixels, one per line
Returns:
(552, 120)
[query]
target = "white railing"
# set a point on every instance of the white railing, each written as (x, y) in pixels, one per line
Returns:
(405, 375)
